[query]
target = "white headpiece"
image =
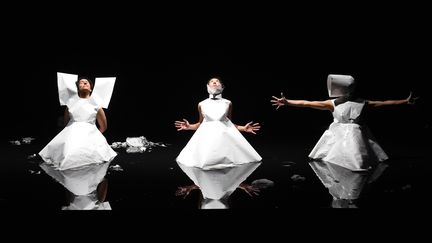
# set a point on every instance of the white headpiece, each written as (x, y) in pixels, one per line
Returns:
(339, 85)
(67, 88)
(103, 90)
(68, 93)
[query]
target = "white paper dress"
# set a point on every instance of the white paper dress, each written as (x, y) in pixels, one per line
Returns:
(80, 142)
(347, 155)
(79, 156)
(217, 158)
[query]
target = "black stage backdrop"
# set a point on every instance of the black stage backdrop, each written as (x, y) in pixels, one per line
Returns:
(162, 57)
(162, 60)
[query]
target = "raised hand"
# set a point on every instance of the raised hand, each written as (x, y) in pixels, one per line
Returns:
(182, 125)
(411, 100)
(279, 101)
(249, 127)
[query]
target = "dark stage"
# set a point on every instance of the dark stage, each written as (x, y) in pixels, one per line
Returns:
(162, 68)
(149, 180)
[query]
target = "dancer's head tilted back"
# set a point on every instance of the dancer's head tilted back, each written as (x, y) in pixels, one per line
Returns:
(215, 86)
(84, 87)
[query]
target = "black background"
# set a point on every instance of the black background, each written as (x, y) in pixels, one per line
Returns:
(162, 57)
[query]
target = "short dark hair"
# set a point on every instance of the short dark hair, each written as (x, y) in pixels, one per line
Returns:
(86, 78)
(218, 78)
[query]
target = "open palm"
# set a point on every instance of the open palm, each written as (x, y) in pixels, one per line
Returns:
(249, 127)
(182, 125)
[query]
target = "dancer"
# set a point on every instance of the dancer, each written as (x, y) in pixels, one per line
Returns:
(217, 158)
(347, 155)
(80, 149)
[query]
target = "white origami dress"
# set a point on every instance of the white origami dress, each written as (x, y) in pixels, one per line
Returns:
(82, 182)
(217, 158)
(347, 155)
(79, 155)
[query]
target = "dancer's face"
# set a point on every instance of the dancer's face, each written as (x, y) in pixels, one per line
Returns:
(214, 83)
(84, 85)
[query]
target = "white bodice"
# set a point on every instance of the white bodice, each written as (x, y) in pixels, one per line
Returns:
(83, 110)
(215, 109)
(348, 112)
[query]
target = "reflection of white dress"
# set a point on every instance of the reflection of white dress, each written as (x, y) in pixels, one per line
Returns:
(217, 143)
(80, 142)
(347, 156)
(219, 183)
(82, 182)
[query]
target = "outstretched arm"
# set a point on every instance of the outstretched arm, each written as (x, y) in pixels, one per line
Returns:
(102, 121)
(249, 127)
(410, 101)
(185, 125)
(320, 105)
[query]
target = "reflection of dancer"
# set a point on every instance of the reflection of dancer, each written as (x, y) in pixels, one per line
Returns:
(347, 155)
(217, 157)
(185, 190)
(81, 145)
(86, 185)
